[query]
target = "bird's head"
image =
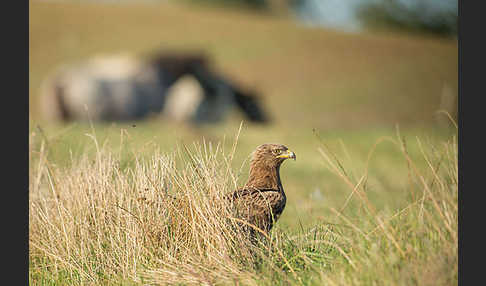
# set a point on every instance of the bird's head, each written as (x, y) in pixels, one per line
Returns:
(271, 155)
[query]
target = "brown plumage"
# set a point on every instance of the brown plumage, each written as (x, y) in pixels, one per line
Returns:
(262, 200)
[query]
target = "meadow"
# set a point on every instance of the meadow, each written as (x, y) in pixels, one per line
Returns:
(372, 196)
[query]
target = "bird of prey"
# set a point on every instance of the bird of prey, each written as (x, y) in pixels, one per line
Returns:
(262, 199)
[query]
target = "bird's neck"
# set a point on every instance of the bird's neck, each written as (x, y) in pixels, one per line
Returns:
(265, 178)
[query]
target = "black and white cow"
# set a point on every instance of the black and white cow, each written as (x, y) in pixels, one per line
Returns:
(123, 87)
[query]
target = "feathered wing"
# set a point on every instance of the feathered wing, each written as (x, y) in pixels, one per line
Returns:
(261, 208)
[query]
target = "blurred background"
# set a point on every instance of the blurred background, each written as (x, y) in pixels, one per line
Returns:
(297, 72)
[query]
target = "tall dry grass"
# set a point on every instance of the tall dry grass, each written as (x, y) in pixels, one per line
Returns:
(95, 221)
(161, 219)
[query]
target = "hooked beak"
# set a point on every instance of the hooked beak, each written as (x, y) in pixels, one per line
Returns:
(288, 154)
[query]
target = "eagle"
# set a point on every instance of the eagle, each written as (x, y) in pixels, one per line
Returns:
(261, 201)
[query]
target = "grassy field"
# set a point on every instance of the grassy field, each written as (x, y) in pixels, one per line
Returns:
(372, 197)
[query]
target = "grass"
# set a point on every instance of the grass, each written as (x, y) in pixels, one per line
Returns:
(368, 204)
(343, 80)
(96, 222)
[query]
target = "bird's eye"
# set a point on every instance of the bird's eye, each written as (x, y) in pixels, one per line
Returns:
(278, 151)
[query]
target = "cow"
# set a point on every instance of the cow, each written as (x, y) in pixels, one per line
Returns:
(122, 87)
